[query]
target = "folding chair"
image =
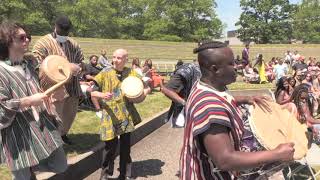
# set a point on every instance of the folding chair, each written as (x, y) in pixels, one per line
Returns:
(312, 159)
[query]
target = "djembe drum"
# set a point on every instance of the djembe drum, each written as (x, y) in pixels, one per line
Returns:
(277, 127)
(269, 129)
(55, 71)
(133, 89)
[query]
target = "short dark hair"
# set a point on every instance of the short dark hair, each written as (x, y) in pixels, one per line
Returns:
(64, 23)
(203, 54)
(8, 30)
(209, 45)
(92, 56)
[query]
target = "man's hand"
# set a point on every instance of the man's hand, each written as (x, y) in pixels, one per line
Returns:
(261, 101)
(285, 152)
(106, 96)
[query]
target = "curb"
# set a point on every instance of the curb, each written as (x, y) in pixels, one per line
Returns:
(81, 166)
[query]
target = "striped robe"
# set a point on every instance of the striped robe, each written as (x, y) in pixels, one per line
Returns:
(24, 142)
(207, 107)
(48, 45)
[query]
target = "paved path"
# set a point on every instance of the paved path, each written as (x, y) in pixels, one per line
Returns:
(155, 157)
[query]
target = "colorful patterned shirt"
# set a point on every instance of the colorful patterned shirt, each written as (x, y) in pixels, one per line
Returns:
(48, 45)
(206, 107)
(119, 115)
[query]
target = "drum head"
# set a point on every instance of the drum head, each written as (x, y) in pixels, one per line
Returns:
(279, 126)
(132, 87)
(57, 68)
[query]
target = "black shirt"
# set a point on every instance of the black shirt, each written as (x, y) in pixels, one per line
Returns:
(92, 70)
(300, 66)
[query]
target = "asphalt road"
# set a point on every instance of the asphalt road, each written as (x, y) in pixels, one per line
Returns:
(154, 157)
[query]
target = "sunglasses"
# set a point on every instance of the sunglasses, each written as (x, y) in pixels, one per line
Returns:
(22, 38)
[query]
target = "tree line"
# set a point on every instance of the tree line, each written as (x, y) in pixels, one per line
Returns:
(278, 21)
(179, 20)
(261, 21)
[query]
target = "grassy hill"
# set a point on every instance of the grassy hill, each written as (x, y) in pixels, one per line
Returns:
(172, 51)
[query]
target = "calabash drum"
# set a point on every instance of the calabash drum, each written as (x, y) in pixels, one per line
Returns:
(133, 89)
(55, 71)
(279, 126)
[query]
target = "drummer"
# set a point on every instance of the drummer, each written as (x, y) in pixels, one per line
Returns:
(214, 128)
(119, 115)
(58, 43)
(28, 133)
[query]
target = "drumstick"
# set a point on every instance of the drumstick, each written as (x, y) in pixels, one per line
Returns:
(58, 85)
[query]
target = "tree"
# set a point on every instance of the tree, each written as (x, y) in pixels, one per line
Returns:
(307, 22)
(182, 20)
(266, 21)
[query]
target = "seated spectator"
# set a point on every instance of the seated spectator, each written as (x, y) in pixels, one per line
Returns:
(304, 107)
(313, 94)
(300, 65)
(292, 83)
(103, 60)
(249, 75)
(282, 93)
(151, 77)
(269, 72)
(238, 64)
(318, 64)
(299, 76)
(87, 84)
(280, 70)
(136, 66)
(313, 69)
(146, 70)
(92, 69)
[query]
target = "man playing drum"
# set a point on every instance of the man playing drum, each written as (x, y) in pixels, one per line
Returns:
(28, 133)
(58, 43)
(214, 128)
(119, 115)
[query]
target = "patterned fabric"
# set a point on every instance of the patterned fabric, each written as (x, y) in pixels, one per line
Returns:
(181, 82)
(119, 115)
(250, 144)
(25, 141)
(206, 107)
(48, 45)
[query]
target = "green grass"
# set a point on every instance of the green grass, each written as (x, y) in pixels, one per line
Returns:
(172, 51)
(244, 86)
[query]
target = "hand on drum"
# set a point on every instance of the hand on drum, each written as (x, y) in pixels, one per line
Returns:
(261, 101)
(285, 152)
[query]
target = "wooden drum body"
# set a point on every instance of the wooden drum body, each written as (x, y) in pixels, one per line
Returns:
(133, 89)
(55, 71)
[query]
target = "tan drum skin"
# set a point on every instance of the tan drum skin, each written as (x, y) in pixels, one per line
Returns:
(133, 89)
(278, 126)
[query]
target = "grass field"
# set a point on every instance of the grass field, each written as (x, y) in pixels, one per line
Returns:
(172, 51)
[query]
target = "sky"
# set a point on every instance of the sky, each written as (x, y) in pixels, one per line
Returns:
(229, 12)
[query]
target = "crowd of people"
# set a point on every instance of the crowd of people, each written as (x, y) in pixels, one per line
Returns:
(260, 71)
(34, 125)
